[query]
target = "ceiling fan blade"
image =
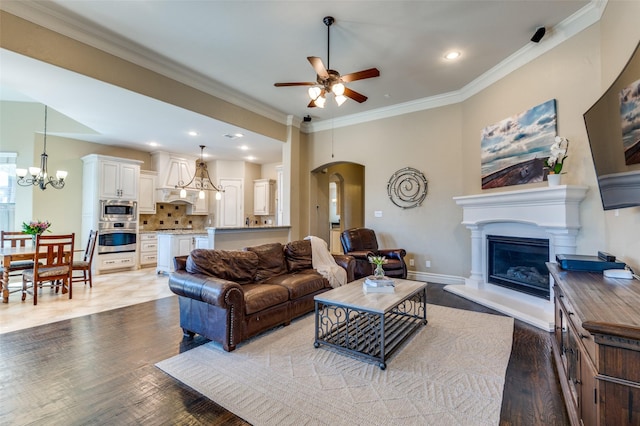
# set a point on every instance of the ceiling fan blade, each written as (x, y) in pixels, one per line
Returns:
(312, 104)
(361, 75)
(358, 97)
(301, 83)
(318, 66)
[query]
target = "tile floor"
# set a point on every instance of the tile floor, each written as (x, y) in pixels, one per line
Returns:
(110, 291)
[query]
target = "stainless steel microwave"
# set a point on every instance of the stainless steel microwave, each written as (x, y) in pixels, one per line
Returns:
(118, 211)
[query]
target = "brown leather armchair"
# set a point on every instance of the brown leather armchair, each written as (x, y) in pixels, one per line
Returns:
(362, 243)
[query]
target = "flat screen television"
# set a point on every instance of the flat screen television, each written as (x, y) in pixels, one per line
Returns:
(613, 128)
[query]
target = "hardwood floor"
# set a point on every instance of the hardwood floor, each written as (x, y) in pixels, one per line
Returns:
(99, 369)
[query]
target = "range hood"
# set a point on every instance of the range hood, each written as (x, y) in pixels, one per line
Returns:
(173, 169)
(172, 195)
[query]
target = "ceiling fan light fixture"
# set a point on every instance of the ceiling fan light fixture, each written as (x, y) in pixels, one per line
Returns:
(314, 92)
(329, 80)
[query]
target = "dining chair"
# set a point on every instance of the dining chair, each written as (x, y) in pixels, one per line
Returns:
(55, 255)
(84, 265)
(16, 239)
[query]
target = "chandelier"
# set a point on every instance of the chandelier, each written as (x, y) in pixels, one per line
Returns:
(39, 175)
(200, 180)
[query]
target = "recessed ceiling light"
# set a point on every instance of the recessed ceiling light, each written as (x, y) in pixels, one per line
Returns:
(153, 144)
(251, 158)
(452, 55)
(244, 147)
(193, 133)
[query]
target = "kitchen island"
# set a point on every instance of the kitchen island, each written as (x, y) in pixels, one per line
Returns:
(172, 243)
(246, 236)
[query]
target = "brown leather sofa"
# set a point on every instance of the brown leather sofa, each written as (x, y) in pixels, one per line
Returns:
(230, 296)
(362, 243)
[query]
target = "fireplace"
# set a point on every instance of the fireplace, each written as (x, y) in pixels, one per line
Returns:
(527, 228)
(519, 264)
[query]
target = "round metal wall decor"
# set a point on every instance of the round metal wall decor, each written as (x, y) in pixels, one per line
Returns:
(407, 188)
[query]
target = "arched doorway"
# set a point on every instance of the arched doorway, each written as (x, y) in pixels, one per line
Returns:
(348, 180)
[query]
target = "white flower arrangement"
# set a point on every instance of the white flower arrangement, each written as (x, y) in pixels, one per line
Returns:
(558, 155)
(377, 260)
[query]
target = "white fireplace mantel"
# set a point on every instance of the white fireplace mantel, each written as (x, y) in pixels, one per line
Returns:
(552, 213)
(548, 207)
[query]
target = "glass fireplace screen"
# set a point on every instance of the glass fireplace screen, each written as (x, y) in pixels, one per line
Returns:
(519, 264)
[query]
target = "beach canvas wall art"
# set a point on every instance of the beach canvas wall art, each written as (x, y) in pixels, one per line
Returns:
(630, 115)
(513, 150)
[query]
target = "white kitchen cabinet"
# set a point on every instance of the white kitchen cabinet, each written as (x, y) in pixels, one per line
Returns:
(202, 242)
(264, 194)
(172, 245)
(118, 180)
(113, 261)
(148, 249)
(147, 195)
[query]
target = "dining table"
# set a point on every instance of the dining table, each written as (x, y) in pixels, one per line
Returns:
(14, 254)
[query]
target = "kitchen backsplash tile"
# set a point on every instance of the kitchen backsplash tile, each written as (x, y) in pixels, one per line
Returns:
(171, 216)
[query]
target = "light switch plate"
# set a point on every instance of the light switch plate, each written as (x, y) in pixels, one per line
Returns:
(377, 213)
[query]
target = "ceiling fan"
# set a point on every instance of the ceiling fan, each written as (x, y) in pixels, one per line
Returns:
(330, 81)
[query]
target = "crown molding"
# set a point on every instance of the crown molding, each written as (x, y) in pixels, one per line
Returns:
(386, 112)
(54, 18)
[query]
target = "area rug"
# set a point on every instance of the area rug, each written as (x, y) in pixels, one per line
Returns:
(449, 373)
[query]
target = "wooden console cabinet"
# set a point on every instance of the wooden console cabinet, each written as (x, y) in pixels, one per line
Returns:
(596, 346)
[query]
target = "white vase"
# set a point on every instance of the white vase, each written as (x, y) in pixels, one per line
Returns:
(553, 179)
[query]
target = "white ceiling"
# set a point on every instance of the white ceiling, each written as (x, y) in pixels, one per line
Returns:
(237, 50)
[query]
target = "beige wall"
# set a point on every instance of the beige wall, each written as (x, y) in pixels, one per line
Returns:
(428, 141)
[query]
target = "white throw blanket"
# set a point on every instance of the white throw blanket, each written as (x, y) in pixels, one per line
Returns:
(325, 264)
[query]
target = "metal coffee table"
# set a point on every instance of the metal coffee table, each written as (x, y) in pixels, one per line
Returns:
(370, 325)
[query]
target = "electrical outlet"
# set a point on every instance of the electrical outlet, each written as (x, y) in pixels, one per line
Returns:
(427, 263)
(412, 262)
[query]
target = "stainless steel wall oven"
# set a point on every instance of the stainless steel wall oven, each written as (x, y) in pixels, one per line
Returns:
(117, 237)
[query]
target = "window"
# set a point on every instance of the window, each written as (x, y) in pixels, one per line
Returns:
(7, 189)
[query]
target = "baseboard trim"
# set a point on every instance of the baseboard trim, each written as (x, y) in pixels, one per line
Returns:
(434, 278)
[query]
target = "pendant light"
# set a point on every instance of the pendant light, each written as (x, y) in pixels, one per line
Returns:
(39, 175)
(200, 181)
